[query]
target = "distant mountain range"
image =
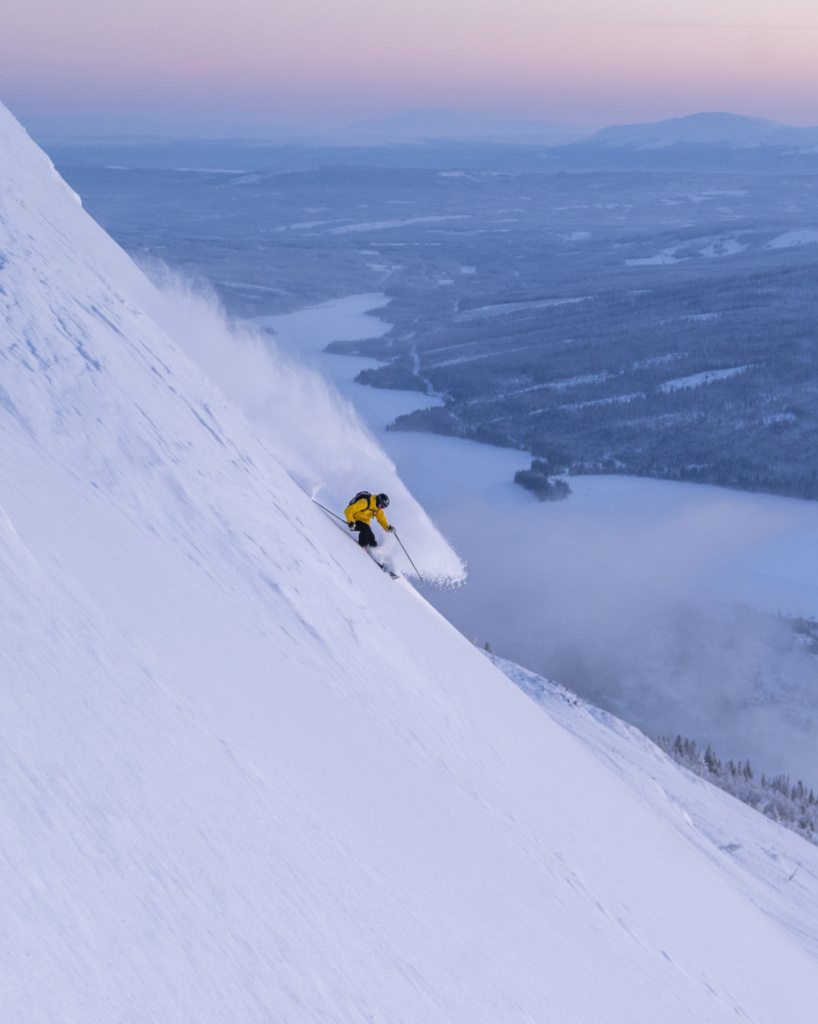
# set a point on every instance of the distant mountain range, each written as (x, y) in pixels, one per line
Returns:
(441, 126)
(733, 131)
(470, 140)
(718, 129)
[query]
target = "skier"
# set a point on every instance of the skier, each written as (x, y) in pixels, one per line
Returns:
(360, 512)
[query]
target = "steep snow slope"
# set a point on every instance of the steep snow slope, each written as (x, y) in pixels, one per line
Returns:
(776, 870)
(321, 442)
(246, 777)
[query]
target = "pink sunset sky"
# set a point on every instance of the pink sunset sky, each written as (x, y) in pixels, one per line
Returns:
(329, 62)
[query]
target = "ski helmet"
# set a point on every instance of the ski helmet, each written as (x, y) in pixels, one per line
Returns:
(383, 500)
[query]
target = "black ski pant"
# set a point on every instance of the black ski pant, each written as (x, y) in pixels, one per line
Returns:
(366, 538)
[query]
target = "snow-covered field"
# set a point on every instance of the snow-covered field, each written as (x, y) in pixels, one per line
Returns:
(249, 778)
(805, 236)
(723, 247)
(695, 380)
(506, 308)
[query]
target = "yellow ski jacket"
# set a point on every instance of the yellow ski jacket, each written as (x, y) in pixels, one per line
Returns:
(363, 510)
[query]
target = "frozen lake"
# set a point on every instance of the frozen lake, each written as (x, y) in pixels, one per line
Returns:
(728, 545)
(626, 591)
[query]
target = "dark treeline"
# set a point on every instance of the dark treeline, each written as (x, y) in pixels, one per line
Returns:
(726, 395)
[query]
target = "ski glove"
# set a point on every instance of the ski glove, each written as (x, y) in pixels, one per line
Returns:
(351, 525)
(390, 529)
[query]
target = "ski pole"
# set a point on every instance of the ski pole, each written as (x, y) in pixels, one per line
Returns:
(340, 520)
(407, 555)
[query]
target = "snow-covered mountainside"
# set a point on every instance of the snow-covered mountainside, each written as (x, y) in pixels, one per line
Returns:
(247, 777)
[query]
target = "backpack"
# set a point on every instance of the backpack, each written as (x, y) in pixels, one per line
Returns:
(359, 496)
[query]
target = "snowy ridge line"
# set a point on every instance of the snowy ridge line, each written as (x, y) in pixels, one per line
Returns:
(766, 857)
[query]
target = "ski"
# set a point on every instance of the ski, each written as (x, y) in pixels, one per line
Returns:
(337, 520)
(381, 566)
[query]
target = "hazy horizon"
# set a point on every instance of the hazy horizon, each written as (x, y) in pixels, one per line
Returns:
(444, 123)
(322, 65)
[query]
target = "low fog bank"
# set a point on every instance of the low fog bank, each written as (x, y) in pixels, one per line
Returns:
(642, 596)
(316, 435)
(729, 676)
(635, 630)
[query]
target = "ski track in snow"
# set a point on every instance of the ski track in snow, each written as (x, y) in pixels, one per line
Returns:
(248, 778)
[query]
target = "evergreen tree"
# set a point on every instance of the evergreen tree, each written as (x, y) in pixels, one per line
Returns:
(789, 805)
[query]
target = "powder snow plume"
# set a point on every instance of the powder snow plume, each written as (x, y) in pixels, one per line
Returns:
(316, 434)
